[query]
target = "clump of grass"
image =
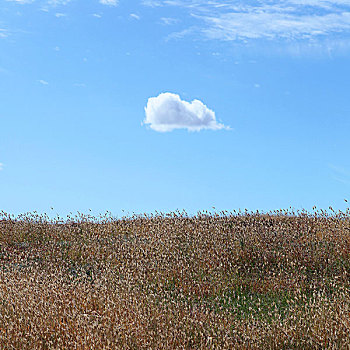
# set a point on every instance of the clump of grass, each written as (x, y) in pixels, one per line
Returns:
(171, 281)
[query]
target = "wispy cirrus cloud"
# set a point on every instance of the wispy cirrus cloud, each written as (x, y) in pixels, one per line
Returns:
(289, 20)
(153, 3)
(275, 23)
(109, 2)
(58, 2)
(1, 166)
(168, 21)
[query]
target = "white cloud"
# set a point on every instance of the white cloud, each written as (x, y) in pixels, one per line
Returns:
(58, 15)
(180, 34)
(58, 2)
(1, 166)
(273, 24)
(109, 2)
(43, 82)
(236, 20)
(135, 16)
(168, 21)
(97, 15)
(152, 3)
(168, 112)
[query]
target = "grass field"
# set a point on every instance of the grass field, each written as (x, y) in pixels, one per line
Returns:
(236, 280)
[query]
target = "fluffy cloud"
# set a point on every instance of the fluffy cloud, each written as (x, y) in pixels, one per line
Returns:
(168, 112)
(109, 2)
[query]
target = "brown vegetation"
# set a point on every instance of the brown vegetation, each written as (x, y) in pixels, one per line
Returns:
(168, 281)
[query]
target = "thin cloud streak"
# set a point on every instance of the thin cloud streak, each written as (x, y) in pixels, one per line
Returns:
(3, 33)
(340, 174)
(135, 16)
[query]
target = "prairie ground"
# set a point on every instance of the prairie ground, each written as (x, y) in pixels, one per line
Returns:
(229, 280)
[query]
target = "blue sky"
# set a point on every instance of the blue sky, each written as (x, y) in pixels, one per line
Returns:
(163, 105)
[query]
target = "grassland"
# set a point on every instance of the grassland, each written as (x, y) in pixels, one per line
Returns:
(236, 280)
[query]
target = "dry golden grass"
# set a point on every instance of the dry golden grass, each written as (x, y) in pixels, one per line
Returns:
(168, 281)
